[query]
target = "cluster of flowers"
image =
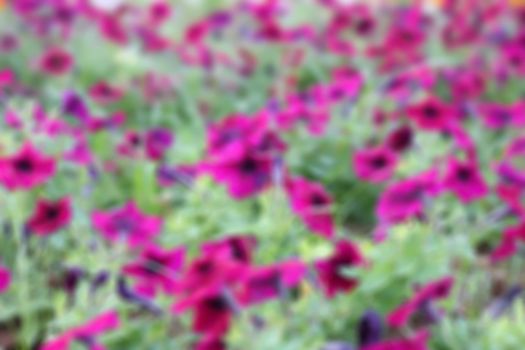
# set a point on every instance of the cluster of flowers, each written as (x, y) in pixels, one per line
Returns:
(247, 153)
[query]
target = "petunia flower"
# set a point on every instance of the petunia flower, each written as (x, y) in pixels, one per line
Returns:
(510, 240)
(264, 283)
(238, 247)
(212, 308)
(313, 204)
(5, 279)
(50, 216)
(497, 116)
(55, 61)
(435, 290)
(432, 114)
(128, 224)
(464, 179)
(244, 176)
(404, 199)
(104, 93)
(400, 139)
(26, 169)
(86, 333)
(7, 77)
(374, 164)
(333, 280)
(157, 142)
(416, 342)
(213, 270)
(73, 104)
(210, 343)
(212, 315)
(156, 269)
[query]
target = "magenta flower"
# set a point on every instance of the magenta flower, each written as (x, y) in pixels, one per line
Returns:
(158, 12)
(404, 199)
(5, 279)
(73, 104)
(416, 342)
(55, 61)
(86, 333)
(435, 290)
(157, 142)
(104, 93)
(128, 224)
(26, 169)
(132, 145)
(156, 270)
(210, 343)
(333, 280)
(374, 164)
(497, 116)
(237, 247)
(509, 242)
(7, 77)
(50, 216)
(432, 114)
(400, 139)
(113, 30)
(212, 315)
(464, 179)
(313, 204)
(229, 137)
(80, 153)
(245, 176)
(13, 120)
(270, 282)
(212, 271)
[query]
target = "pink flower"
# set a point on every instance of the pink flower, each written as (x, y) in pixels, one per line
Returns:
(416, 342)
(432, 114)
(244, 176)
(55, 61)
(156, 270)
(237, 247)
(230, 137)
(404, 199)
(26, 169)
(157, 142)
(50, 216)
(374, 164)
(212, 271)
(333, 280)
(212, 315)
(80, 153)
(509, 242)
(269, 282)
(86, 333)
(210, 343)
(113, 30)
(497, 116)
(312, 203)
(104, 93)
(5, 279)
(400, 139)
(435, 290)
(159, 11)
(7, 77)
(13, 120)
(464, 179)
(127, 223)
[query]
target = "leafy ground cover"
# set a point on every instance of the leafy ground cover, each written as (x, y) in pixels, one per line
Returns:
(292, 175)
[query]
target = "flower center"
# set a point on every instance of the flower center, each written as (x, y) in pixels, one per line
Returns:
(430, 111)
(23, 165)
